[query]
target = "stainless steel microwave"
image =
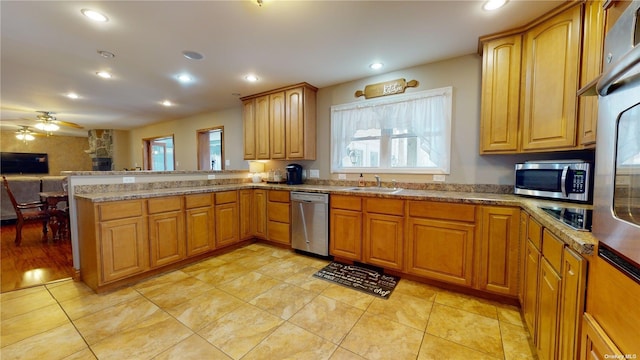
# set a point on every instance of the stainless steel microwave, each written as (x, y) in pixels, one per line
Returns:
(567, 180)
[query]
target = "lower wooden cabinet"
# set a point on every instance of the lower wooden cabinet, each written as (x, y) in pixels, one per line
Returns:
(123, 249)
(383, 233)
(279, 217)
(245, 210)
(166, 231)
(548, 310)
(530, 287)
(227, 231)
(572, 298)
(200, 223)
(522, 244)
(595, 344)
(259, 214)
(345, 228)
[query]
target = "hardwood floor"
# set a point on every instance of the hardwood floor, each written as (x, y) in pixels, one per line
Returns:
(34, 262)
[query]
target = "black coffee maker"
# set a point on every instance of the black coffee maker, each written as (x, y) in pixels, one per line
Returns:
(294, 174)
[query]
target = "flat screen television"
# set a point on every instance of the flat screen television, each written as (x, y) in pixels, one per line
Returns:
(24, 163)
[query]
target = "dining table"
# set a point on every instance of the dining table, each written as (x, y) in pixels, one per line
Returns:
(58, 217)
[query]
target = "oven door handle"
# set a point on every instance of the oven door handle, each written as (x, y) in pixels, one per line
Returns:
(563, 181)
(616, 71)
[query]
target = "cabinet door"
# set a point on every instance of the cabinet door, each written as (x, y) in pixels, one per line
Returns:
(259, 213)
(595, 344)
(383, 240)
(498, 261)
(500, 95)
(123, 248)
(262, 127)
(166, 238)
(201, 236)
(524, 221)
(440, 250)
(226, 224)
(249, 128)
(551, 63)
(300, 124)
(346, 234)
(548, 311)
(592, 49)
(574, 283)
(530, 303)
(277, 125)
(245, 220)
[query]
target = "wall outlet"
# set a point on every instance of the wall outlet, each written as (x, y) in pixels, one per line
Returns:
(314, 173)
(438, 177)
(128, 180)
(342, 176)
(227, 162)
(211, 176)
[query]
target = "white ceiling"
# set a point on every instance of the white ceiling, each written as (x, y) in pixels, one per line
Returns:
(49, 49)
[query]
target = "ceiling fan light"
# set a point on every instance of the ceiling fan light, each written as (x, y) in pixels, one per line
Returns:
(47, 127)
(24, 136)
(104, 74)
(94, 15)
(491, 5)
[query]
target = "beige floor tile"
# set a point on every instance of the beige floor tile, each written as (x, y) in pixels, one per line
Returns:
(174, 293)
(160, 281)
(240, 330)
(417, 289)
(306, 280)
(292, 342)
(146, 339)
(91, 303)
(310, 261)
(115, 319)
(378, 338)
(248, 286)
(281, 269)
(69, 290)
(255, 261)
(19, 293)
(510, 314)
(57, 343)
(193, 347)
(342, 354)
(30, 300)
(405, 309)
(35, 322)
(327, 318)
(202, 266)
(435, 348)
(84, 354)
(221, 274)
(283, 300)
(465, 328)
(205, 308)
(517, 343)
(468, 303)
(348, 296)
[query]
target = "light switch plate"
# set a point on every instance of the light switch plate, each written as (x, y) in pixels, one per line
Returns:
(438, 177)
(227, 162)
(342, 176)
(128, 180)
(313, 173)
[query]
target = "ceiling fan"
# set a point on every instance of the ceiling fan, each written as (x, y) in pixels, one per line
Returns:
(48, 122)
(25, 134)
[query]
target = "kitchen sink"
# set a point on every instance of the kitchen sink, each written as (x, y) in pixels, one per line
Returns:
(377, 190)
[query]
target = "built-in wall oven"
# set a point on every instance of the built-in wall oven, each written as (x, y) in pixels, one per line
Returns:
(616, 216)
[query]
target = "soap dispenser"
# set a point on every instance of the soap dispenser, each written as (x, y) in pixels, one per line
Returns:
(361, 180)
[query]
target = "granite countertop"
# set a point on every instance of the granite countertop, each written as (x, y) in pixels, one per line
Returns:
(580, 241)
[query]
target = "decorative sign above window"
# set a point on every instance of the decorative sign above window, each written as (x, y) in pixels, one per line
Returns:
(386, 88)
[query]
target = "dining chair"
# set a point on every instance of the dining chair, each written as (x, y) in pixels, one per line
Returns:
(35, 211)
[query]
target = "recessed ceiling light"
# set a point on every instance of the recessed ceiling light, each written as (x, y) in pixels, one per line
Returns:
(72, 95)
(251, 78)
(376, 66)
(493, 4)
(106, 54)
(104, 74)
(184, 78)
(166, 103)
(192, 55)
(94, 15)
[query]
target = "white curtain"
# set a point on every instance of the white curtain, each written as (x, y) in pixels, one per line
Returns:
(426, 114)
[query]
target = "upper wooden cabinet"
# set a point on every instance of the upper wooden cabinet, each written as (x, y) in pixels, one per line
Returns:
(280, 124)
(531, 76)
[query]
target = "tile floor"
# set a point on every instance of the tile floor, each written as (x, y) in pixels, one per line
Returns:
(257, 302)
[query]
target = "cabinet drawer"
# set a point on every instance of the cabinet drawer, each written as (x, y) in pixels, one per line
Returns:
(534, 231)
(279, 196)
(198, 200)
(225, 197)
(552, 250)
(346, 202)
(442, 211)
(278, 232)
(166, 204)
(384, 206)
(120, 210)
(278, 212)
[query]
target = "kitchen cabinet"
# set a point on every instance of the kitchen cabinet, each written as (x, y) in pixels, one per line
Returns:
(282, 123)
(226, 216)
(166, 230)
(245, 219)
(501, 61)
(498, 257)
(383, 233)
(574, 283)
(279, 217)
(259, 214)
(531, 269)
(200, 223)
(440, 241)
(522, 244)
(595, 344)
(346, 227)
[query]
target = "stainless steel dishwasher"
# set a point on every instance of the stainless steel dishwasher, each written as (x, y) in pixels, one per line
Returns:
(310, 222)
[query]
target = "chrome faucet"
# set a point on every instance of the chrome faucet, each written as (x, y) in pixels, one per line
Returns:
(377, 180)
(394, 184)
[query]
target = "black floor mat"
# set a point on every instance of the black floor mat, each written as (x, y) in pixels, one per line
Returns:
(359, 278)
